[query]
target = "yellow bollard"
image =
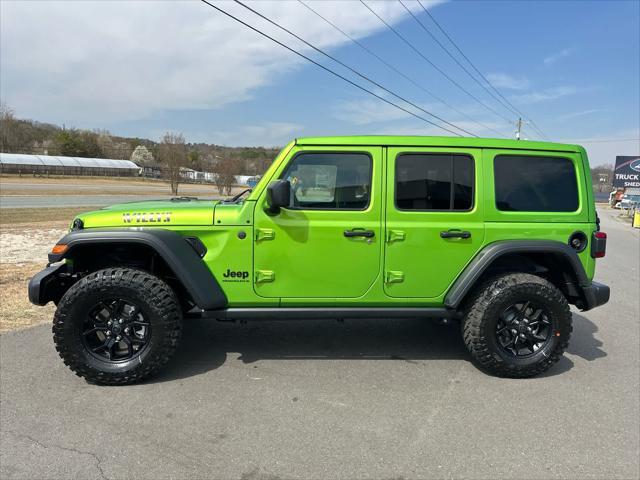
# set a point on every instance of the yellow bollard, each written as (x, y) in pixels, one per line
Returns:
(636, 219)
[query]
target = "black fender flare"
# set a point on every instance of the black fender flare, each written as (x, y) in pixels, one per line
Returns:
(483, 260)
(179, 255)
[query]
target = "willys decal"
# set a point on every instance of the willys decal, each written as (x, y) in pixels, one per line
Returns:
(146, 217)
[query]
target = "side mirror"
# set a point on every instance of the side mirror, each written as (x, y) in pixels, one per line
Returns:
(278, 195)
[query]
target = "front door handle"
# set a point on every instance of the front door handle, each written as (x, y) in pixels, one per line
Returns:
(359, 232)
(455, 234)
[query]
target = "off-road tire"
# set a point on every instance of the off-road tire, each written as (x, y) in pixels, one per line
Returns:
(153, 295)
(481, 316)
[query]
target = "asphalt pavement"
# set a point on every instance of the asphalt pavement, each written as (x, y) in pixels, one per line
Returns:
(320, 399)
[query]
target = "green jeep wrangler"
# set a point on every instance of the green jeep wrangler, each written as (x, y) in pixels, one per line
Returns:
(501, 235)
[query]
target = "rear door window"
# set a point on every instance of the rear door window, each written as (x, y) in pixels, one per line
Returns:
(528, 183)
(438, 181)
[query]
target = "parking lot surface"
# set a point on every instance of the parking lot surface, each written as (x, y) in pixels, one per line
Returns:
(320, 399)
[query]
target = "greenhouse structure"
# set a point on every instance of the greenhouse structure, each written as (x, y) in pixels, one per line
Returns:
(57, 165)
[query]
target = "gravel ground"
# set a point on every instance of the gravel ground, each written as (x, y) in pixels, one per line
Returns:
(23, 252)
(25, 243)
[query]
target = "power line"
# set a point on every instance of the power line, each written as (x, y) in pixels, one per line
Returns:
(446, 50)
(398, 71)
(478, 71)
(327, 69)
(442, 72)
(353, 70)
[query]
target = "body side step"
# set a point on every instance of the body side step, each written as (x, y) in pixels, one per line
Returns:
(313, 313)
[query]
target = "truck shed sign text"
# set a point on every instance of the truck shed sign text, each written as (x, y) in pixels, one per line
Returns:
(627, 172)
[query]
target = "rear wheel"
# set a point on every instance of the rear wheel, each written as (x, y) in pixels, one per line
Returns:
(517, 325)
(117, 326)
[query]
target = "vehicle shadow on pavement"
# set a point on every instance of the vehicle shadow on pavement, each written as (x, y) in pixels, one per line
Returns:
(583, 344)
(207, 343)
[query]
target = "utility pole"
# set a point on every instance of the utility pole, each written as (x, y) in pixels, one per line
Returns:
(519, 128)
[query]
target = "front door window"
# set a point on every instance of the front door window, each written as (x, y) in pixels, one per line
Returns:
(330, 181)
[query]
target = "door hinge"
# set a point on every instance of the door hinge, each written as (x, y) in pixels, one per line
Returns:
(394, 276)
(265, 276)
(395, 236)
(265, 234)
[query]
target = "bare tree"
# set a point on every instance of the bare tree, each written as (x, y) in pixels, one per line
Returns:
(225, 174)
(262, 164)
(105, 143)
(10, 137)
(602, 177)
(172, 155)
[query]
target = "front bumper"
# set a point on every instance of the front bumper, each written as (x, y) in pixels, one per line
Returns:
(47, 284)
(595, 295)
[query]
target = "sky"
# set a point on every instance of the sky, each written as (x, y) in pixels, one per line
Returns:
(142, 68)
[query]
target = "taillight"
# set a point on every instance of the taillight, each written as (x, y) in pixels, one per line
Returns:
(598, 244)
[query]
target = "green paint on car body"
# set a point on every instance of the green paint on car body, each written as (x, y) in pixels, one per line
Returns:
(303, 257)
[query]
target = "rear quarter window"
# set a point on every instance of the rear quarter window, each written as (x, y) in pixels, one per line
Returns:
(529, 183)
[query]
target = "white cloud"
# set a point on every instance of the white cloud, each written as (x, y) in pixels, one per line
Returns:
(92, 62)
(269, 134)
(545, 95)
(365, 112)
(430, 130)
(554, 57)
(503, 80)
(377, 118)
(578, 114)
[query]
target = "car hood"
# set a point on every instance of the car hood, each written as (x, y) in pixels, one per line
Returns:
(180, 211)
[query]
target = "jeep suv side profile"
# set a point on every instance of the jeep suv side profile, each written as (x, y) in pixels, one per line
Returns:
(501, 235)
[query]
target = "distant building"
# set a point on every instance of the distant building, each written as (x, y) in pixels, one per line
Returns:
(189, 174)
(248, 180)
(58, 165)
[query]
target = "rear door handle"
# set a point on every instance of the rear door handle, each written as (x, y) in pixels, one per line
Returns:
(455, 234)
(358, 232)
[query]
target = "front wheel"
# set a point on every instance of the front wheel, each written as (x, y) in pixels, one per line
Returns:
(117, 326)
(517, 325)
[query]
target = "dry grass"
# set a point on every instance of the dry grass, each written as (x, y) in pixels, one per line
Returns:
(23, 253)
(26, 216)
(16, 311)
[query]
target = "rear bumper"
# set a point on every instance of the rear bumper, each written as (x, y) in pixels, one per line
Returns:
(44, 285)
(595, 295)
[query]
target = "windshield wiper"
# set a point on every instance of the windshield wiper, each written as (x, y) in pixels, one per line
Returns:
(236, 197)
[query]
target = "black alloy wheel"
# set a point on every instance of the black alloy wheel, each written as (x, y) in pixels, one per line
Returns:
(117, 326)
(116, 330)
(516, 325)
(523, 329)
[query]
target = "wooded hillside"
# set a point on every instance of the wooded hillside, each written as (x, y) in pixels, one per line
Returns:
(33, 137)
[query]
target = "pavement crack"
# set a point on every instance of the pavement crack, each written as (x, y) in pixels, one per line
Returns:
(68, 449)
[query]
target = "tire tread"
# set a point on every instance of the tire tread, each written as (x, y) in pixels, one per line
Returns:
(474, 318)
(151, 290)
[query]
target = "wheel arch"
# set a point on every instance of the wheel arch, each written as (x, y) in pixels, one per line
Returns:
(555, 261)
(171, 252)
